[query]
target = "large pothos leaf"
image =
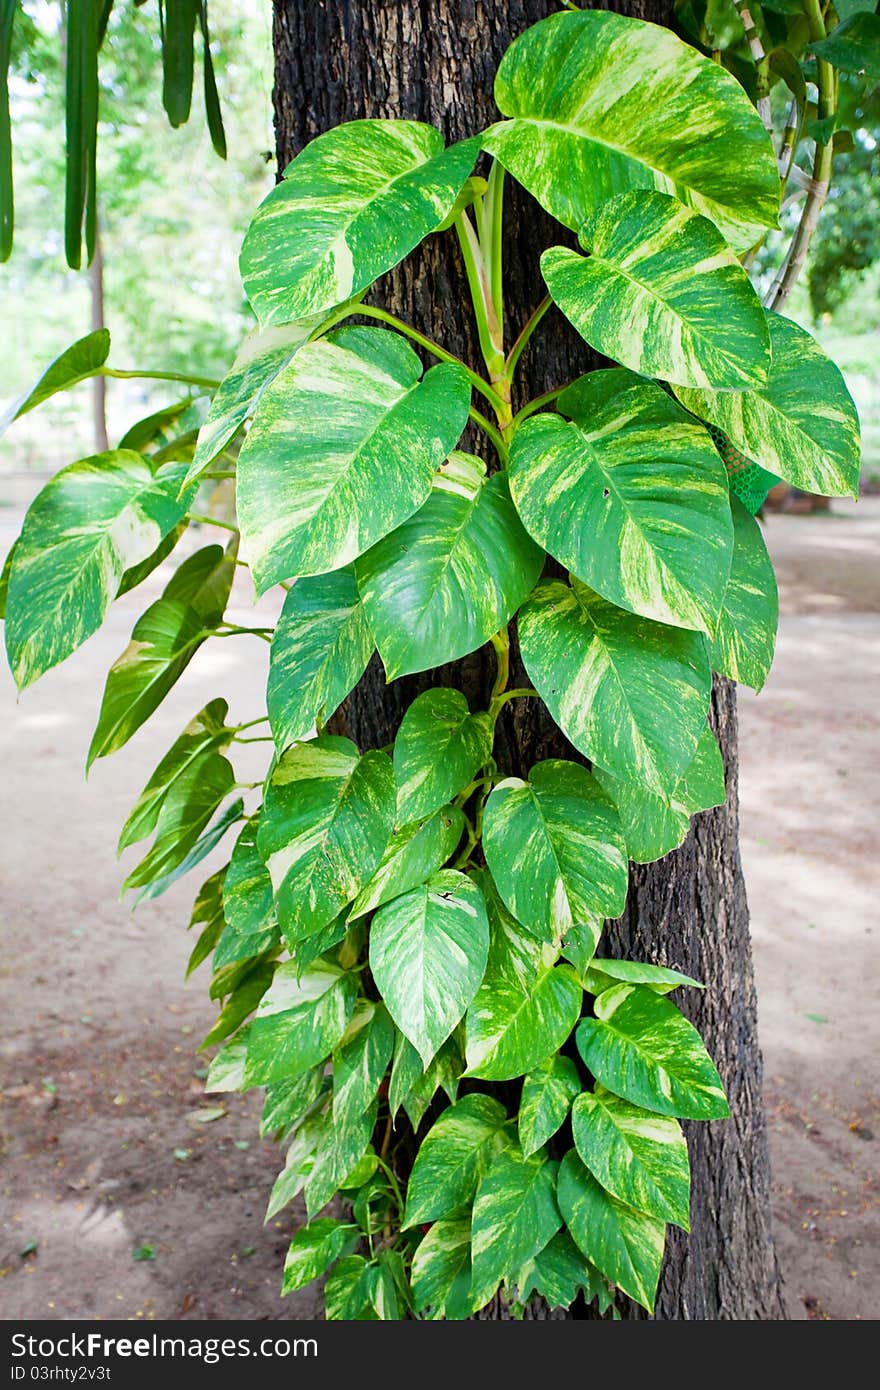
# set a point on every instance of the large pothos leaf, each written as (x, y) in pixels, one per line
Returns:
(453, 1157)
(452, 575)
(91, 523)
(546, 1099)
(642, 1048)
(163, 642)
(625, 1244)
(801, 425)
(745, 636)
(515, 1215)
(654, 823)
(299, 1021)
(441, 1271)
(631, 495)
(439, 747)
(343, 449)
(562, 829)
(630, 694)
(206, 732)
(639, 1157)
(248, 905)
(411, 856)
(428, 951)
(661, 293)
(186, 810)
(601, 104)
(351, 205)
(319, 652)
(326, 818)
(81, 360)
(512, 1028)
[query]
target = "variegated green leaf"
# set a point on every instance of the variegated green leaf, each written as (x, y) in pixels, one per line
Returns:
(164, 641)
(515, 955)
(580, 942)
(640, 1158)
(644, 1050)
(205, 732)
(446, 580)
(511, 1029)
(360, 1062)
(515, 1216)
(342, 1147)
(441, 1271)
(428, 951)
(558, 1273)
(226, 1072)
(601, 104)
(547, 1094)
(854, 45)
(91, 523)
(319, 942)
(242, 997)
(207, 841)
(314, 1249)
(348, 1291)
(186, 809)
(351, 205)
(745, 638)
(630, 694)
(802, 425)
(654, 823)
(248, 905)
(288, 1102)
(342, 449)
(299, 1022)
(414, 1086)
(299, 1162)
(207, 913)
(412, 855)
(81, 360)
(626, 1245)
(554, 848)
(660, 292)
(439, 747)
(453, 1157)
(319, 652)
(604, 973)
(631, 495)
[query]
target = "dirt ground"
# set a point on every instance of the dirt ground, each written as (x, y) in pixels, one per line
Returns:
(121, 1198)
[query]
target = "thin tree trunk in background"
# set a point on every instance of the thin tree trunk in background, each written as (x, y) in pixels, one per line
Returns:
(99, 383)
(435, 60)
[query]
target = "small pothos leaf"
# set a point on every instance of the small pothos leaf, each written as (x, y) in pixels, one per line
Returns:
(745, 636)
(453, 1157)
(515, 1215)
(413, 854)
(639, 1157)
(605, 972)
(413, 1086)
(208, 840)
(441, 1271)
(207, 912)
(314, 1249)
(207, 731)
(186, 809)
(558, 1273)
(439, 747)
(546, 1099)
(83, 359)
(625, 1244)
(512, 1029)
(251, 927)
(300, 1021)
(854, 45)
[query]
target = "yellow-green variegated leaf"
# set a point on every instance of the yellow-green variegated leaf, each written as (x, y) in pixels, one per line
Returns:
(801, 425)
(513, 1028)
(453, 1157)
(412, 855)
(81, 360)
(186, 809)
(654, 823)
(554, 847)
(642, 1048)
(164, 641)
(631, 495)
(299, 1021)
(351, 205)
(630, 694)
(441, 1271)
(414, 1086)
(452, 575)
(600, 104)
(745, 638)
(314, 1249)
(326, 819)
(428, 951)
(205, 732)
(547, 1094)
(625, 1244)
(90, 524)
(248, 905)
(319, 652)
(660, 292)
(515, 1215)
(558, 1273)
(604, 972)
(343, 448)
(639, 1157)
(439, 747)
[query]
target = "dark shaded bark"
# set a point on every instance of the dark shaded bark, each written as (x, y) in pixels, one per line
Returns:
(435, 60)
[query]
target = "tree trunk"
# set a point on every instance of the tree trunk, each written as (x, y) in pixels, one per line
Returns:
(435, 60)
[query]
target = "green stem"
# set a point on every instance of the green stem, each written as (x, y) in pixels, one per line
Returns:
(232, 630)
(251, 724)
(263, 738)
(493, 237)
(494, 434)
(208, 382)
(501, 643)
(537, 404)
(479, 283)
(522, 341)
(212, 521)
(478, 383)
(524, 693)
(219, 477)
(395, 1186)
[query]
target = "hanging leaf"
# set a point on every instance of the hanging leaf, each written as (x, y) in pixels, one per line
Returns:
(319, 652)
(515, 956)
(630, 694)
(414, 1086)
(360, 1063)
(226, 1072)
(428, 951)
(604, 973)
(327, 817)
(341, 1149)
(299, 1022)
(515, 1216)
(602, 104)
(213, 112)
(343, 449)
(631, 495)
(179, 17)
(640, 1158)
(163, 642)
(453, 1157)
(91, 523)
(854, 46)
(580, 942)
(186, 809)
(441, 1271)
(81, 113)
(288, 1102)
(314, 1249)
(317, 943)
(83, 359)
(547, 1095)
(644, 1050)
(802, 425)
(452, 575)
(206, 733)
(439, 748)
(661, 293)
(207, 912)
(626, 1245)
(411, 856)
(745, 638)
(138, 573)
(351, 205)
(562, 829)
(654, 823)
(203, 846)
(558, 1273)
(511, 1029)
(242, 1001)
(299, 1162)
(7, 208)
(248, 906)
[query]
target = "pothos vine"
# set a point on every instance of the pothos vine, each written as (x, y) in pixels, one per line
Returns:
(400, 934)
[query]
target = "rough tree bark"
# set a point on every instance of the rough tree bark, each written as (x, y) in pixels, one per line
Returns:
(435, 60)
